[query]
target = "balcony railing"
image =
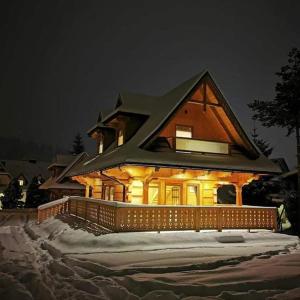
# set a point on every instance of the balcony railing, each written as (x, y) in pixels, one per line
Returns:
(126, 217)
(196, 145)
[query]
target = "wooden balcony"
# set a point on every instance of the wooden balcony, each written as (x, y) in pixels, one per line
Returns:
(197, 145)
(126, 217)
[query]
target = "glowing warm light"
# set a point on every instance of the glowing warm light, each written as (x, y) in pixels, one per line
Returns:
(21, 182)
(223, 182)
(183, 131)
(120, 137)
(100, 149)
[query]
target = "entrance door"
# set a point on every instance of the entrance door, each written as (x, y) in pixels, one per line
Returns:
(153, 192)
(173, 194)
(192, 195)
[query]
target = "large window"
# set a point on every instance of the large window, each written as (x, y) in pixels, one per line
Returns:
(120, 137)
(183, 131)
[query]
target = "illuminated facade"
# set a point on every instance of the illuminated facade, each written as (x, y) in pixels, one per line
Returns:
(175, 149)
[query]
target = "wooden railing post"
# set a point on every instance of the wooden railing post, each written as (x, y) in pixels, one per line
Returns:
(220, 218)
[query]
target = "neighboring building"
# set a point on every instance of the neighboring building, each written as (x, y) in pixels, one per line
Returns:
(23, 170)
(175, 149)
(58, 184)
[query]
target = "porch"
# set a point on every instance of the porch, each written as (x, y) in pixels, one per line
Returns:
(148, 185)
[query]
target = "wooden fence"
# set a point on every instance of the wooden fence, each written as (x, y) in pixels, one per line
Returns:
(52, 209)
(125, 217)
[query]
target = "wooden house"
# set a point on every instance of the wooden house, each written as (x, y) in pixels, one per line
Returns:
(23, 171)
(180, 148)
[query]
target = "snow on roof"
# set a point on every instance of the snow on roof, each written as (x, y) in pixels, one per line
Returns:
(27, 168)
(158, 110)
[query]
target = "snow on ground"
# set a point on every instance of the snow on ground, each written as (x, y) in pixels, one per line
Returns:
(57, 261)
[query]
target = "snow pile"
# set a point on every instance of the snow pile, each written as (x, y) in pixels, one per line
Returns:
(55, 261)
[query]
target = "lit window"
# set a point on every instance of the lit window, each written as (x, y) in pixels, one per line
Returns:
(111, 193)
(100, 149)
(183, 131)
(21, 182)
(106, 192)
(120, 137)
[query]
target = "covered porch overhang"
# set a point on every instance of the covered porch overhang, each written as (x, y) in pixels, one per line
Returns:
(142, 184)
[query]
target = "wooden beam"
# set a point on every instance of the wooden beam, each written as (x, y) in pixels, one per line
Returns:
(217, 115)
(238, 191)
(193, 101)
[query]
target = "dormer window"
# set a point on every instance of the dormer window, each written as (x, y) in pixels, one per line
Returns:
(183, 131)
(120, 137)
(100, 148)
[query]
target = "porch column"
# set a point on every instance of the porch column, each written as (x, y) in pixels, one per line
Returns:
(97, 188)
(87, 191)
(162, 192)
(145, 192)
(238, 191)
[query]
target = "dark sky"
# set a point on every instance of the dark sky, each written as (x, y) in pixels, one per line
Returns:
(61, 62)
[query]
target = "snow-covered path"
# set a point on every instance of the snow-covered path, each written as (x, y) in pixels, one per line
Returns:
(54, 261)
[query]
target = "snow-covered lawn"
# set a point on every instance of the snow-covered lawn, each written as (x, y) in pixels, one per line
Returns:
(55, 261)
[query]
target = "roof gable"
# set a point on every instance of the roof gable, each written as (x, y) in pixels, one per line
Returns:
(203, 91)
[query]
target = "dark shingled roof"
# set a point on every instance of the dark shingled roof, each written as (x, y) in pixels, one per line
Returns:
(27, 168)
(159, 109)
(62, 181)
(62, 160)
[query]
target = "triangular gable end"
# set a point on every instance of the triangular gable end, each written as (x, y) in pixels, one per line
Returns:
(209, 117)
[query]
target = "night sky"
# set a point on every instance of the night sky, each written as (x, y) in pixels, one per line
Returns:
(61, 62)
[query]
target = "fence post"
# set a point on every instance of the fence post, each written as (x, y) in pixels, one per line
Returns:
(220, 218)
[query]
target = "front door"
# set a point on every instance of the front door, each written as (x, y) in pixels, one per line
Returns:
(173, 194)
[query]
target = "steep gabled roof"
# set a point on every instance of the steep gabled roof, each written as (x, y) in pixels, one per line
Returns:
(160, 109)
